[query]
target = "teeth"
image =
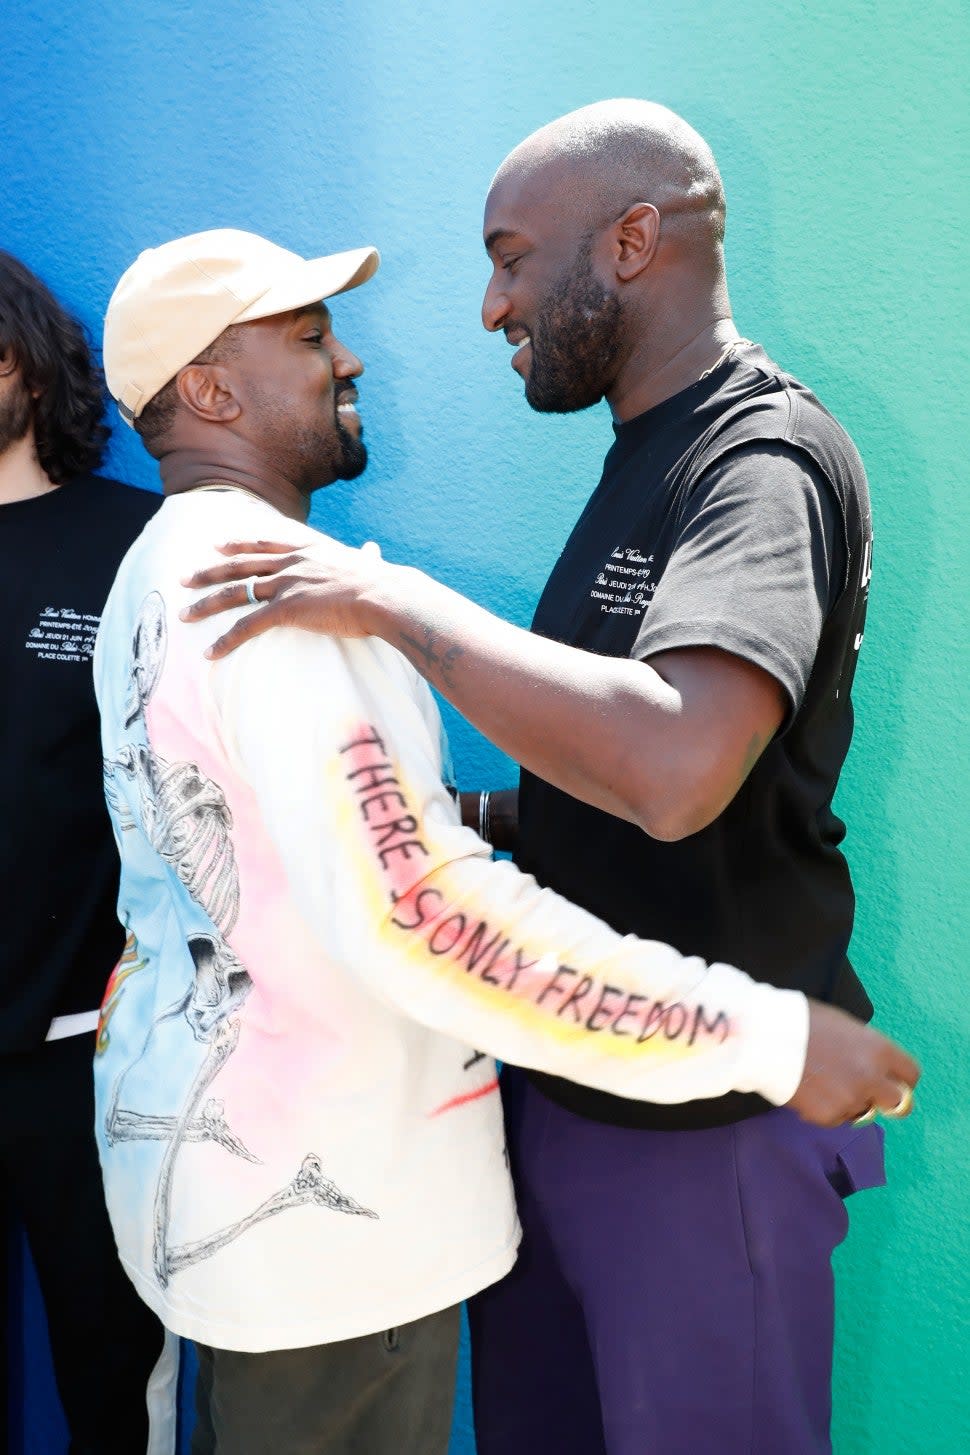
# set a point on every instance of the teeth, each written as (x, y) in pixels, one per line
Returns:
(346, 409)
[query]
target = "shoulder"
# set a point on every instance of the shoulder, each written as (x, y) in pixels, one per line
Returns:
(124, 502)
(786, 408)
(100, 519)
(769, 489)
(762, 464)
(766, 409)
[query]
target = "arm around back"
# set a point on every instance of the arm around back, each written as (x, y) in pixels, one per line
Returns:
(338, 741)
(663, 739)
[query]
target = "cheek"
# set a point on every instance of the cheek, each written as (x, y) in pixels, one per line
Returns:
(322, 377)
(307, 387)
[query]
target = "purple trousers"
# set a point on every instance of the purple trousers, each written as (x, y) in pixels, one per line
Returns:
(673, 1293)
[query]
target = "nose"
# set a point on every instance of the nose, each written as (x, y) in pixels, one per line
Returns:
(495, 305)
(345, 364)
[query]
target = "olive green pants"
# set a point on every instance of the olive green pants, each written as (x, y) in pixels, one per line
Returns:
(383, 1394)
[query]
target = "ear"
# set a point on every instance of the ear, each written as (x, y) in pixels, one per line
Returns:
(635, 238)
(206, 389)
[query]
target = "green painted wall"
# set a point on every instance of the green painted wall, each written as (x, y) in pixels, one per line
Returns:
(842, 131)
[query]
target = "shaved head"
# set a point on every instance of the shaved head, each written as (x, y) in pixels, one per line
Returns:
(615, 153)
(605, 231)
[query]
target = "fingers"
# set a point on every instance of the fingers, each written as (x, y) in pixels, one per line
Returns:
(245, 629)
(904, 1105)
(830, 1103)
(235, 594)
(893, 1100)
(256, 548)
(241, 567)
(828, 1107)
(852, 1072)
(902, 1066)
(892, 1095)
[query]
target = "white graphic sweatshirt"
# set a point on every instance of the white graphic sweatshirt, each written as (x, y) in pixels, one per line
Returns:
(297, 1107)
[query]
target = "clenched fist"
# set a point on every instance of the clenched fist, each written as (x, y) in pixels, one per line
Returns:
(851, 1069)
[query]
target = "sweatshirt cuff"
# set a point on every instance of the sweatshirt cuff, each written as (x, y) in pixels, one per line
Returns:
(776, 1023)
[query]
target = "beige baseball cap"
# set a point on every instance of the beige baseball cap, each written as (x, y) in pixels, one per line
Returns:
(175, 300)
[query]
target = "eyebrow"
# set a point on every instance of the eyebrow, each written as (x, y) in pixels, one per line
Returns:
(497, 235)
(315, 310)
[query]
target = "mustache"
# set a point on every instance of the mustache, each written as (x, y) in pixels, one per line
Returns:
(341, 390)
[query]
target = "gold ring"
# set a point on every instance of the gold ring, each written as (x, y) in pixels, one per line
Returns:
(904, 1105)
(869, 1115)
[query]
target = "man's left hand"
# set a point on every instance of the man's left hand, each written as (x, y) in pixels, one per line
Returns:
(326, 587)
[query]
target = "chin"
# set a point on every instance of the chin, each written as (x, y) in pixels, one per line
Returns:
(547, 402)
(353, 464)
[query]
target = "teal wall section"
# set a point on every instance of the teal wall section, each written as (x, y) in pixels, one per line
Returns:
(842, 131)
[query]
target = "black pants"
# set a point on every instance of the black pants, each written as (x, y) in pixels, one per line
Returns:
(105, 1342)
(383, 1394)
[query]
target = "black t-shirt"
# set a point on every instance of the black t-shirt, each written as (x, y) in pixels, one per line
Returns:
(733, 515)
(58, 862)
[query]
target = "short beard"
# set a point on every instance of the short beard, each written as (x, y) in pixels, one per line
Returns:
(15, 416)
(320, 459)
(313, 455)
(575, 341)
(353, 454)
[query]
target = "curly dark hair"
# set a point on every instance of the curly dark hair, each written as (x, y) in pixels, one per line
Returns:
(53, 353)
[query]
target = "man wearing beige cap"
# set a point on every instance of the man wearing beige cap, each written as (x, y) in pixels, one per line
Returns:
(304, 1158)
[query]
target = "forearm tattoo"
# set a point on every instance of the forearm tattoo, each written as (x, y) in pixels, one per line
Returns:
(434, 658)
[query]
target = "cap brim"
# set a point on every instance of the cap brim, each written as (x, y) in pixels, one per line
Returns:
(311, 280)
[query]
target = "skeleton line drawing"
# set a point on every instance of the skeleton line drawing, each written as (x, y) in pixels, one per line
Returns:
(223, 1044)
(209, 1126)
(219, 986)
(148, 645)
(309, 1187)
(187, 821)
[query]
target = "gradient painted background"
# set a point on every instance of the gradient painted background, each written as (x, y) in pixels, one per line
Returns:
(842, 132)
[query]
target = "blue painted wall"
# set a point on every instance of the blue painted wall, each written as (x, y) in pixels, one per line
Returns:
(842, 132)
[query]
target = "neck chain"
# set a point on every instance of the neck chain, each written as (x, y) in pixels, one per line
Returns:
(227, 485)
(725, 353)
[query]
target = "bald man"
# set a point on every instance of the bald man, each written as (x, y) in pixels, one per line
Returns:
(681, 711)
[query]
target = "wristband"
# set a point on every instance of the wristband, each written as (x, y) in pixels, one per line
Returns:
(485, 816)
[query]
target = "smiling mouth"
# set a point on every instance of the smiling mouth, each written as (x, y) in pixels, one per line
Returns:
(346, 411)
(518, 358)
(520, 341)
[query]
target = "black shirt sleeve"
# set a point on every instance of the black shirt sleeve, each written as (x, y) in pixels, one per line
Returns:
(757, 564)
